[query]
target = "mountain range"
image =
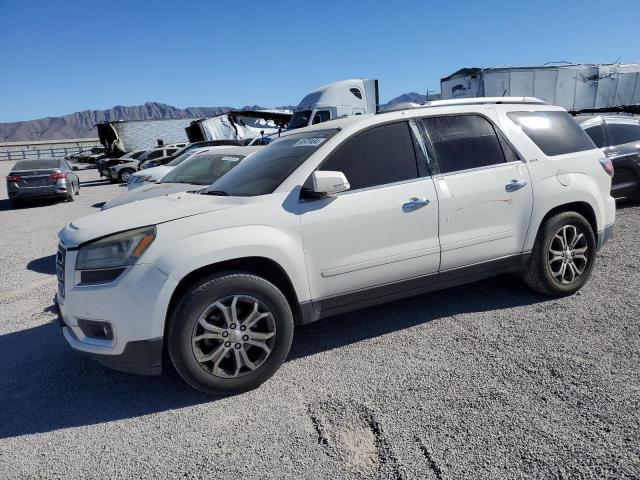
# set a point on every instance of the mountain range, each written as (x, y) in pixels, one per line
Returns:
(81, 124)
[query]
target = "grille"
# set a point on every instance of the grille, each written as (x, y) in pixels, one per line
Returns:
(60, 259)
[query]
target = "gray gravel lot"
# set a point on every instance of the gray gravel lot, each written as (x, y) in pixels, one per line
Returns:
(483, 381)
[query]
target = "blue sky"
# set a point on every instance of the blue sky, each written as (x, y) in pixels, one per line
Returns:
(59, 57)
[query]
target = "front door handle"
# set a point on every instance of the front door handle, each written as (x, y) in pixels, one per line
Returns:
(514, 185)
(414, 203)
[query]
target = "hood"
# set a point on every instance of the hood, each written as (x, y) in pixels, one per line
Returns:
(140, 214)
(156, 172)
(150, 191)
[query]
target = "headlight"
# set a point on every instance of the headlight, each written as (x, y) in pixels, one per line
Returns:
(115, 251)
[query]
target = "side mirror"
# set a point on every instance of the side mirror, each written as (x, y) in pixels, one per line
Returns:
(328, 183)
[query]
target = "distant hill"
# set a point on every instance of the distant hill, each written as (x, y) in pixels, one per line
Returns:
(80, 124)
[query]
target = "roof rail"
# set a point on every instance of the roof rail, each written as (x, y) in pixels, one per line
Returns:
(467, 101)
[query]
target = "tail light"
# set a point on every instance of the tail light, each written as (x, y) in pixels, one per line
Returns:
(13, 178)
(607, 165)
(57, 176)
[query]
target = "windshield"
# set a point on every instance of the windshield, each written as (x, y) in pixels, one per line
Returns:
(300, 119)
(180, 158)
(203, 169)
(263, 171)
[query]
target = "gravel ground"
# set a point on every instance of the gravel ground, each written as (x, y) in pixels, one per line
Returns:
(483, 381)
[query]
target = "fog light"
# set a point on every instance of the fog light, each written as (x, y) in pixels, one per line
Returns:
(95, 329)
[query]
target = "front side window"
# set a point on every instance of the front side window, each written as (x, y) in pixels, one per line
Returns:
(621, 133)
(265, 170)
(300, 119)
(462, 142)
(555, 133)
(321, 116)
(596, 133)
(377, 156)
(203, 169)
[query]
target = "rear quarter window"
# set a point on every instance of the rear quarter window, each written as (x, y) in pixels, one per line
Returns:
(621, 133)
(555, 133)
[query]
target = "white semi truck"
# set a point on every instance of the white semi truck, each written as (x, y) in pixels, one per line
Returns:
(356, 96)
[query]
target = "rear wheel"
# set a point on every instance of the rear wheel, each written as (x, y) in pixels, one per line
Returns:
(230, 333)
(563, 255)
(124, 175)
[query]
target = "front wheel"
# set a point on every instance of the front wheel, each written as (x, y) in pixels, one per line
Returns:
(563, 255)
(230, 333)
(124, 175)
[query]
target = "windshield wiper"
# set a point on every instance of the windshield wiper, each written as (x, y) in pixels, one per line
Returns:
(221, 193)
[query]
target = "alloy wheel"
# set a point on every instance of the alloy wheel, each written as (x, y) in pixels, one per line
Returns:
(233, 336)
(567, 255)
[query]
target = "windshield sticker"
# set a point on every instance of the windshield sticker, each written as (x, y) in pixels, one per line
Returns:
(309, 142)
(230, 159)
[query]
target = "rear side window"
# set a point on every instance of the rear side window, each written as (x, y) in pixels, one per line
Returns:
(461, 142)
(377, 156)
(596, 133)
(620, 133)
(555, 133)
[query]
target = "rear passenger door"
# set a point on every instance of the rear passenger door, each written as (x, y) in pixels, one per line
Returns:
(382, 231)
(484, 192)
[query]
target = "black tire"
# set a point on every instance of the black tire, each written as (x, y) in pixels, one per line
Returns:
(123, 172)
(194, 302)
(539, 275)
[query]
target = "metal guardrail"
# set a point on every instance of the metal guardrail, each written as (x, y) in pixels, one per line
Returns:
(45, 149)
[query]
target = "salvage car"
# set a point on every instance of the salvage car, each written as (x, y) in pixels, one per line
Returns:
(330, 218)
(619, 138)
(104, 164)
(121, 172)
(201, 169)
(156, 162)
(42, 178)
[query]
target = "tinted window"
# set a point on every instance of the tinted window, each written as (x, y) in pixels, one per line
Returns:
(620, 133)
(171, 151)
(596, 133)
(510, 154)
(266, 169)
(202, 169)
(35, 164)
(321, 116)
(462, 142)
(135, 155)
(300, 119)
(154, 154)
(376, 157)
(555, 133)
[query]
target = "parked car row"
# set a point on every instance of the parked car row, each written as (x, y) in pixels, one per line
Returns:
(619, 138)
(217, 260)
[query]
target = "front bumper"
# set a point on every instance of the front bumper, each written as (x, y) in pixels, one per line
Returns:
(133, 305)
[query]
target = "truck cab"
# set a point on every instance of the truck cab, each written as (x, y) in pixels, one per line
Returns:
(338, 99)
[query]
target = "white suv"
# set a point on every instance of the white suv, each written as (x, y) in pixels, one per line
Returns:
(332, 218)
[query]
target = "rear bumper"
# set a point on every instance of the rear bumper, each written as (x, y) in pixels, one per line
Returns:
(54, 191)
(604, 235)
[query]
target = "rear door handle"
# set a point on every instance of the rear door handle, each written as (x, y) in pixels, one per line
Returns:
(414, 203)
(514, 185)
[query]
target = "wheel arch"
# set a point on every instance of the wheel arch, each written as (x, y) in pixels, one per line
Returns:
(261, 266)
(583, 208)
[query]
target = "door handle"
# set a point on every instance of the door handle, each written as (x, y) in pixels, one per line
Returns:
(514, 185)
(414, 203)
